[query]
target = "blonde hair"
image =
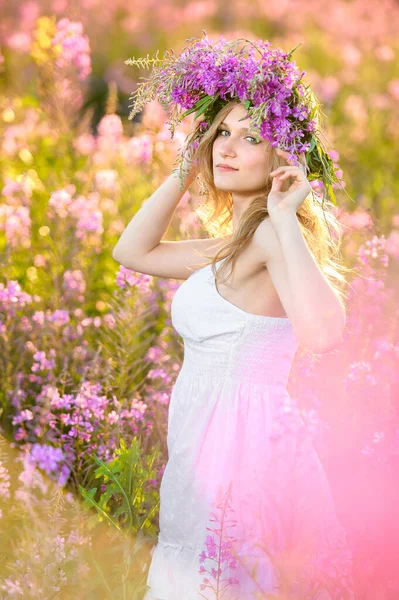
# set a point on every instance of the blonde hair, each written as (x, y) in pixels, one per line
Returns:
(321, 229)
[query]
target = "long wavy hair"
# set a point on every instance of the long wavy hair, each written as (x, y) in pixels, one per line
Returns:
(319, 225)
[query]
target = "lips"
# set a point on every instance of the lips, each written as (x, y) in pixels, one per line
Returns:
(225, 168)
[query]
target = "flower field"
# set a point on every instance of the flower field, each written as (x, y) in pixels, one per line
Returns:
(88, 354)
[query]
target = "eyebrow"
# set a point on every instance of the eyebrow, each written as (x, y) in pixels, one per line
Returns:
(241, 129)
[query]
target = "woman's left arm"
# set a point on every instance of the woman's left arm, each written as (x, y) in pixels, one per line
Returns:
(317, 309)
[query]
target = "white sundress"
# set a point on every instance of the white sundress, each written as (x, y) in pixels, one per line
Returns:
(239, 450)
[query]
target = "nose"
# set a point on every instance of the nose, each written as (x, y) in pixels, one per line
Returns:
(226, 147)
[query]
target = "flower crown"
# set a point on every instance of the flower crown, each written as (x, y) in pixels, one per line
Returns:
(205, 76)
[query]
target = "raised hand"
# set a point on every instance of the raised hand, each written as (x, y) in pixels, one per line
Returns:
(279, 202)
(188, 167)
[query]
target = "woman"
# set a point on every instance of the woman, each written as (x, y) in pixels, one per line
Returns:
(227, 454)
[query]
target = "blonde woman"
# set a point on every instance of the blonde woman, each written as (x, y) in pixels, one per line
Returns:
(240, 335)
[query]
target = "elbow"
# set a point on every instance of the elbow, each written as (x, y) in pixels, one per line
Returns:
(321, 340)
(330, 345)
(116, 254)
(327, 336)
(325, 344)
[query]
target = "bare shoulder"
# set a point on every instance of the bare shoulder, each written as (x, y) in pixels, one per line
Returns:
(171, 259)
(266, 242)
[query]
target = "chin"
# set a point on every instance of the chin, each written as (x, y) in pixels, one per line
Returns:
(222, 188)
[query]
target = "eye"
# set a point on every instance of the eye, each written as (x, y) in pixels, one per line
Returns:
(248, 136)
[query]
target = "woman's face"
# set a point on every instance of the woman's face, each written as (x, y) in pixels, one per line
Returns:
(244, 150)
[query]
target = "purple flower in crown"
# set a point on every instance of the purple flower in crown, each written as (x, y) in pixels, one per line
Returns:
(203, 126)
(184, 97)
(206, 75)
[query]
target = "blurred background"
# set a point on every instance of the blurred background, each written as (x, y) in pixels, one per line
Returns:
(88, 355)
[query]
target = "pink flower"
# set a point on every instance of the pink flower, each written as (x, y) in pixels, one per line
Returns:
(74, 284)
(85, 143)
(111, 126)
(61, 200)
(19, 41)
(75, 47)
(12, 296)
(16, 223)
(113, 417)
(106, 180)
(393, 88)
(127, 277)
(139, 150)
(392, 244)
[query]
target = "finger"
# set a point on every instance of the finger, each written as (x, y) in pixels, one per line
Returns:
(277, 184)
(199, 119)
(195, 121)
(298, 176)
(283, 168)
(285, 154)
(282, 152)
(289, 174)
(286, 167)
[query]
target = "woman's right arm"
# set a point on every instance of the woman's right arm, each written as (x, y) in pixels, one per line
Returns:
(151, 221)
(141, 248)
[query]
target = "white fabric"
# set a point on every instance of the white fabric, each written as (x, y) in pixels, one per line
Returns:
(226, 414)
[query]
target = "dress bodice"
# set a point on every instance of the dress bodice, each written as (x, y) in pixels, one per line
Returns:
(221, 339)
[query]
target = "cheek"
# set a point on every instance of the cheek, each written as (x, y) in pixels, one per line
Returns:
(214, 149)
(255, 163)
(260, 161)
(216, 143)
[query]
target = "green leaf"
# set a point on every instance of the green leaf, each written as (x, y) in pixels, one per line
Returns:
(89, 500)
(290, 53)
(126, 502)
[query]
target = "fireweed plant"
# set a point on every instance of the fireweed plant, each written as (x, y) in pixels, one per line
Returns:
(206, 75)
